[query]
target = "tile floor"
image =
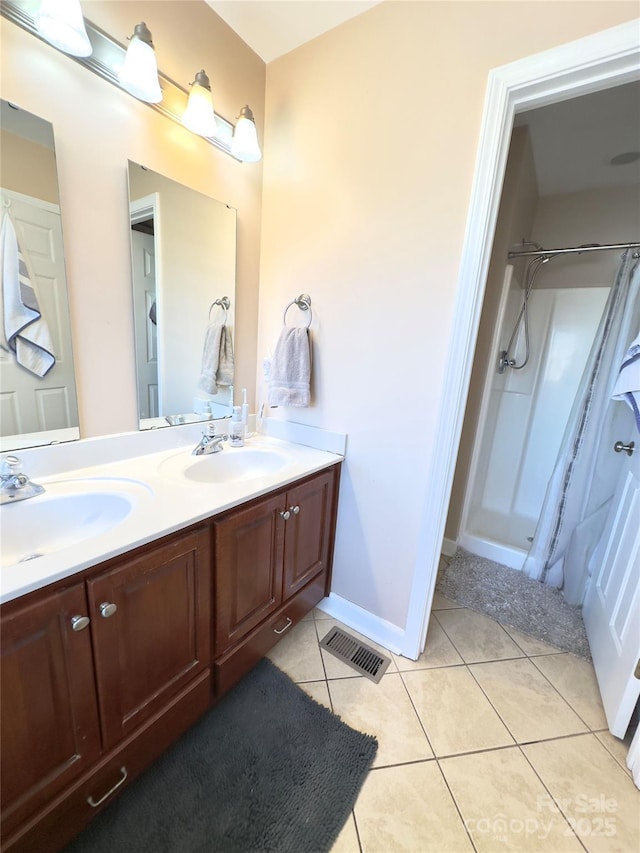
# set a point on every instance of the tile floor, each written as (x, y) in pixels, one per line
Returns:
(491, 741)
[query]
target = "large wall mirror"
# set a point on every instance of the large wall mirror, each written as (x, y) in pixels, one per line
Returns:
(38, 399)
(183, 251)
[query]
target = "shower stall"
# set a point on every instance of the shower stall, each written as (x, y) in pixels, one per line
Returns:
(541, 343)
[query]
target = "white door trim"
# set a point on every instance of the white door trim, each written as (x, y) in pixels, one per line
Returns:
(600, 61)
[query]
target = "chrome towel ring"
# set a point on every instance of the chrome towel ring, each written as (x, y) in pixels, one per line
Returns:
(224, 303)
(304, 304)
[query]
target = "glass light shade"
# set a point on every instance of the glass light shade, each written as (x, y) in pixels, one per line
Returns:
(244, 144)
(60, 22)
(139, 73)
(199, 116)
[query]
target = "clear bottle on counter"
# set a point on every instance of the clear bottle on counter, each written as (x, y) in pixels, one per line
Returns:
(237, 429)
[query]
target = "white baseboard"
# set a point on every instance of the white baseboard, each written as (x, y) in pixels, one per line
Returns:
(449, 547)
(512, 557)
(358, 619)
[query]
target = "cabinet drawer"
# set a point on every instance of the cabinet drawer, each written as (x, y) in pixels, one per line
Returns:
(237, 662)
(65, 816)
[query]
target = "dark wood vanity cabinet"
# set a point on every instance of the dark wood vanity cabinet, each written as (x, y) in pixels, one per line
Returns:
(97, 679)
(272, 564)
(102, 671)
(158, 636)
(49, 722)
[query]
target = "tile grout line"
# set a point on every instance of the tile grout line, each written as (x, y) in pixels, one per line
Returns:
(575, 711)
(435, 758)
(490, 660)
(542, 782)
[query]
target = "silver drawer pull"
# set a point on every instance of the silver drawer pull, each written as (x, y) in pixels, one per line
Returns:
(107, 609)
(79, 623)
(282, 630)
(94, 804)
(295, 509)
(286, 515)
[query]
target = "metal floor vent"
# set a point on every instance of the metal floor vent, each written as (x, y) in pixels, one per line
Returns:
(355, 654)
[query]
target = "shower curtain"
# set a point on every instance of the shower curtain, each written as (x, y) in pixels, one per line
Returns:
(583, 479)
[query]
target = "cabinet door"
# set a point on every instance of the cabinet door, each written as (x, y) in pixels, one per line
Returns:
(158, 635)
(248, 566)
(308, 531)
(49, 722)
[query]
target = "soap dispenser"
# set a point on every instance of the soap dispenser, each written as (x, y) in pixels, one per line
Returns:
(236, 436)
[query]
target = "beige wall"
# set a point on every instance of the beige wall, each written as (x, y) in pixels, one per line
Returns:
(97, 129)
(36, 173)
(371, 139)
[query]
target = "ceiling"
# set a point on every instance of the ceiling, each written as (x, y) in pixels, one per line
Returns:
(573, 141)
(272, 28)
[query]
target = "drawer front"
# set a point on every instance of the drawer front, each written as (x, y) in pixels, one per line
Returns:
(243, 657)
(55, 826)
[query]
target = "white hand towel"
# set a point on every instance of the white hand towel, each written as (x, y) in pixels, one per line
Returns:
(290, 376)
(23, 331)
(217, 359)
(627, 387)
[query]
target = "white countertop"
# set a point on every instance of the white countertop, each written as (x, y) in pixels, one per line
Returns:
(163, 500)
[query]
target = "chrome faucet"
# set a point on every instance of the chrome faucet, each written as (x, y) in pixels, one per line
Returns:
(209, 443)
(14, 484)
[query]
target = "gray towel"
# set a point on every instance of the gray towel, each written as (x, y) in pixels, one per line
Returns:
(290, 376)
(217, 359)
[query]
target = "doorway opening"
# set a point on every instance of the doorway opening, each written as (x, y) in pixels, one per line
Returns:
(563, 188)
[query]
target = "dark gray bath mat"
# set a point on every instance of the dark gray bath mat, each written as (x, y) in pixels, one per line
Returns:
(268, 769)
(515, 600)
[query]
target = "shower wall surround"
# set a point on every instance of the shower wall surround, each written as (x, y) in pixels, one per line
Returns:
(526, 410)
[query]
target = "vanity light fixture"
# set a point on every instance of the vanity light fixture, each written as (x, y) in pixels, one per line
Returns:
(244, 145)
(162, 94)
(139, 72)
(199, 116)
(60, 22)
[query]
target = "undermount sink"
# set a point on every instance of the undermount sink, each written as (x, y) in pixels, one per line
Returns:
(66, 513)
(230, 465)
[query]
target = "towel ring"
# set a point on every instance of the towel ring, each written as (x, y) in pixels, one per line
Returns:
(304, 304)
(224, 303)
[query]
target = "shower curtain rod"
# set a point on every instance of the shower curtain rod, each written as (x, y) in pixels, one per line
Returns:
(578, 249)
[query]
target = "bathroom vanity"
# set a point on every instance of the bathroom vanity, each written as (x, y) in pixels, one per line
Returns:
(103, 668)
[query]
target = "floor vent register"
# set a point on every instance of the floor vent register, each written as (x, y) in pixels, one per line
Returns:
(355, 654)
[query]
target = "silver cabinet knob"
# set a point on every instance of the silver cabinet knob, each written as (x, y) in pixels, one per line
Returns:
(620, 447)
(79, 623)
(287, 625)
(107, 609)
(295, 509)
(286, 515)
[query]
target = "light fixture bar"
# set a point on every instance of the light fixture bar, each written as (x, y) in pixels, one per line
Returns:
(106, 58)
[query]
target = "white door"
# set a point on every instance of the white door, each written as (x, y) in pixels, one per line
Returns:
(29, 403)
(144, 312)
(612, 603)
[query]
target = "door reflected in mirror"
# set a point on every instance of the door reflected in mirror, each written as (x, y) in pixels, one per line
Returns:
(183, 258)
(38, 398)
